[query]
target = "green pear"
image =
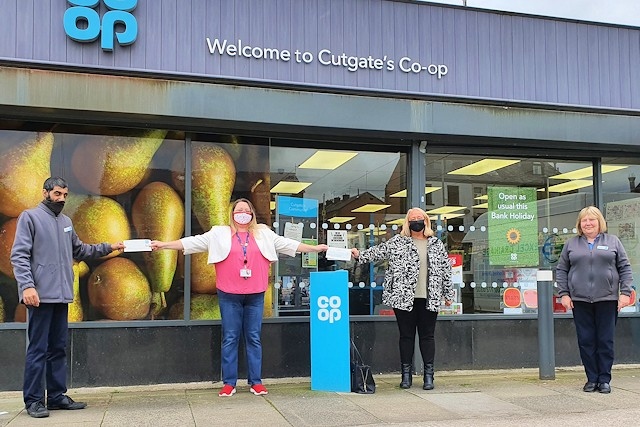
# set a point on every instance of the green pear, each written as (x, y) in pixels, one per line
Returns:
(76, 313)
(203, 307)
(98, 219)
(213, 178)
(7, 236)
(115, 164)
(158, 213)
(118, 289)
(24, 167)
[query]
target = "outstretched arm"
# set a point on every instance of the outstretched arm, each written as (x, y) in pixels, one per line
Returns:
(174, 244)
(303, 247)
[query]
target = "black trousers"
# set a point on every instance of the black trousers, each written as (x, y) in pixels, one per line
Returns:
(422, 320)
(47, 351)
(596, 326)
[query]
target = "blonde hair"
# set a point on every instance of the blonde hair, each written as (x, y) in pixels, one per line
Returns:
(253, 225)
(594, 212)
(406, 231)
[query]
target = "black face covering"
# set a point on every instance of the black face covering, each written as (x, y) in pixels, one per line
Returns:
(416, 226)
(55, 207)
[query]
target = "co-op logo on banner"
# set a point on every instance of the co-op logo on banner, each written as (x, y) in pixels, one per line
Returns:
(329, 309)
(82, 22)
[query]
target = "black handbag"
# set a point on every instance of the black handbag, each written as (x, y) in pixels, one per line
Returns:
(361, 377)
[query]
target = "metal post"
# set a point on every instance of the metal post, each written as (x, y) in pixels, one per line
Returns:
(546, 348)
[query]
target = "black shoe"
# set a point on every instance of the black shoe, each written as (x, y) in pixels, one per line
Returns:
(590, 387)
(66, 403)
(604, 388)
(37, 410)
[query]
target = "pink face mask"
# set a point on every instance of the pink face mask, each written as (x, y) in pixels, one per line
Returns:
(242, 218)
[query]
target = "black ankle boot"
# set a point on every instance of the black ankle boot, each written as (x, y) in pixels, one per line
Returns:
(428, 377)
(407, 378)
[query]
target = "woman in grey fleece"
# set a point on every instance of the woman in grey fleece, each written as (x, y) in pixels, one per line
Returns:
(594, 280)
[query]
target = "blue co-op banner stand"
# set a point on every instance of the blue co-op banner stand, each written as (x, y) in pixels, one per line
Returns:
(330, 341)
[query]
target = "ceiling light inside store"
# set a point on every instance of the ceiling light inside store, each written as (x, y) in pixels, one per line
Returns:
(289, 187)
(427, 190)
(399, 221)
(445, 216)
(569, 186)
(587, 172)
(376, 231)
(483, 166)
(445, 210)
(341, 219)
(371, 207)
(481, 206)
(483, 197)
(327, 160)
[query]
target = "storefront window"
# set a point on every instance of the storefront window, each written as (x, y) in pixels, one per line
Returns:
(315, 195)
(121, 187)
(621, 197)
(506, 219)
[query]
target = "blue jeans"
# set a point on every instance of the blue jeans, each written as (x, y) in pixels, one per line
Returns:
(241, 315)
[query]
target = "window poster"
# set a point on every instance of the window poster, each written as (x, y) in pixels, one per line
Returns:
(310, 259)
(513, 226)
(337, 239)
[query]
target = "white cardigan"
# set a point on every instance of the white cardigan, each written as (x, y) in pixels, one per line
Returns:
(217, 242)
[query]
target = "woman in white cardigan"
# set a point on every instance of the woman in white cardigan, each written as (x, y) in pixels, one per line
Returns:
(242, 253)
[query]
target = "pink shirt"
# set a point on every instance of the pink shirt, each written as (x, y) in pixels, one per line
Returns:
(228, 270)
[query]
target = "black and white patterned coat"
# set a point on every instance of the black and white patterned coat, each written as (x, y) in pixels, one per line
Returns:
(401, 276)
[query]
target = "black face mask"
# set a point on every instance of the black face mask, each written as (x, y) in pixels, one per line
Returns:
(416, 226)
(55, 207)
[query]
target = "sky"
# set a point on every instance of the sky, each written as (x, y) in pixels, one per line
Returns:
(623, 12)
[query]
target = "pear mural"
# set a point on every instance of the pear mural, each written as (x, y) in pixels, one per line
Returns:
(115, 165)
(98, 219)
(76, 312)
(7, 236)
(213, 178)
(118, 289)
(203, 274)
(158, 213)
(203, 307)
(23, 169)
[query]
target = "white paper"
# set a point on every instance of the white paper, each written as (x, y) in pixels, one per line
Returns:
(337, 238)
(293, 231)
(338, 254)
(137, 245)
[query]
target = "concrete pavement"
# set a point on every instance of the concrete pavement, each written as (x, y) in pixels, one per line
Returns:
(461, 398)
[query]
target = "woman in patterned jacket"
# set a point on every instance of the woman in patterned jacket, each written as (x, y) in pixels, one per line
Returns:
(417, 280)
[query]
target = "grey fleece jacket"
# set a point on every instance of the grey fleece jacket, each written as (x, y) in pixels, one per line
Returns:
(594, 275)
(43, 252)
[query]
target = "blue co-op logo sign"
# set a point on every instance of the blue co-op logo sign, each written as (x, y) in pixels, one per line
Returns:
(329, 309)
(119, 13)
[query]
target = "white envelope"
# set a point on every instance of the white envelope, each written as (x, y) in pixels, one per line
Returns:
(338, 254)
(137, 245)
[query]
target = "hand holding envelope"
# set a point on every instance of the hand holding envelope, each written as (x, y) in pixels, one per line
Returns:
(137, 245)
(338, 254)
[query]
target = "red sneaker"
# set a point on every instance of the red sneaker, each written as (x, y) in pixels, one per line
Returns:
(259, 390)
(227, 391)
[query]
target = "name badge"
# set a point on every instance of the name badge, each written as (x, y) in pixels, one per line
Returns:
(245, 272)
(68, 229)
(603, 248)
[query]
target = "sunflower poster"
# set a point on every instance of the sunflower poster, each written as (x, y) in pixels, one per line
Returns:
(513, 226)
